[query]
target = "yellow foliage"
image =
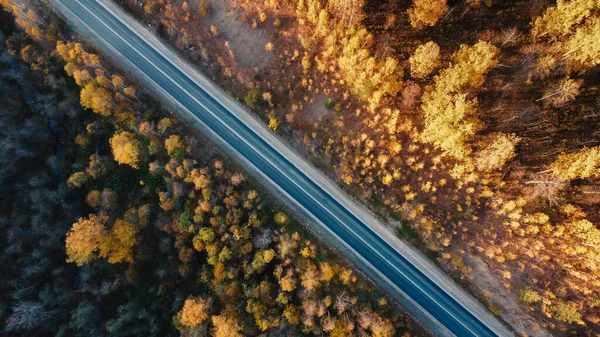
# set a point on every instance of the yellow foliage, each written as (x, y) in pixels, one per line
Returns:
(310, 277)
(118, 244)
(582, 164)
(305, 252)
(425, 59)
(226, 326)
(560, 19)
(450, 119)
(586, 231)
(195, 311)
(83, 239)
(129, 91)
(99, 99)
(81, 76)
(327, 272)
(273, 124)
(287, 283)
(582, 49)
(173, 144)
(292, 315)
(126, 149)
(268, 255)
(426, 12)
(500, 149)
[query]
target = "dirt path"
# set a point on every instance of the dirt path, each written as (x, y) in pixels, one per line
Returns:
(511, 309)
(246, 43)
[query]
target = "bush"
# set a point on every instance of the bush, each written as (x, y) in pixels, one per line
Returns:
(281, 218)
(251, 99)
(529, 296)
(329, 104)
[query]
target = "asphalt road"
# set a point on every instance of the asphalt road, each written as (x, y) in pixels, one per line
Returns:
(406, 275)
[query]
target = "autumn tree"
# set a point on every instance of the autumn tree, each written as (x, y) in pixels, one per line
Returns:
(573, 27)
(97, 98)
(225, 325)
(174, 146)
(565, 312)
(500, 149)
(203, 7)
(582, 164)
(118, 244)
(529, 295)
(426, 12)
(450, 117)
(310, 276)
(562, 92)
(281, 218)
(126, 149)
(77, 179)
(371, 79)
(560, 20)
(581, 50)
(96, 167)
(348, 12)
(84, 238)
(53, 32)
(195, 311)
(252, 99)
(425, 59)
(273, 124)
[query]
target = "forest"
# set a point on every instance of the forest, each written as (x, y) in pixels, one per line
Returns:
(120, 222)
(471, 126)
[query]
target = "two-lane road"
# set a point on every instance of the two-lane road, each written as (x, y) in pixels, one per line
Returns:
(405, 274)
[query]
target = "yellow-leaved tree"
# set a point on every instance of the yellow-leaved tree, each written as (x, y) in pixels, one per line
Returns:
(117, 245)
(582, 164)
(500, 149)
(195, 311)
(84, 238)
(126, 149)
(174, 144)
(425, 59)
(450, 117)
(97, 98)
(573, 28)
(426, 12)
(225, 325)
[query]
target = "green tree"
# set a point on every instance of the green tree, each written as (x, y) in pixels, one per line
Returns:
(281, 218)
(252, 99)
(77, 179)
(52, 31)
(207, 234)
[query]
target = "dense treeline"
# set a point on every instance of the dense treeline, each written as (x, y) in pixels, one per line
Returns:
(474, 123)
(132, 226)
